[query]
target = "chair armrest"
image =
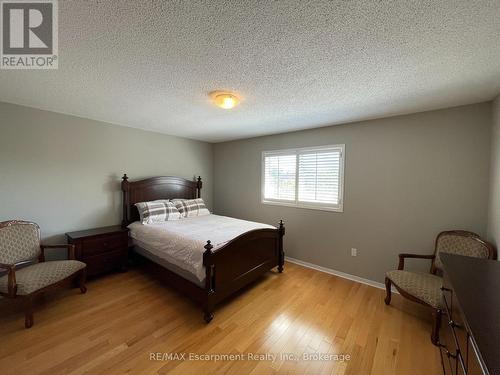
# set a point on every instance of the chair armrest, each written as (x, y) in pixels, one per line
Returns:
(15, 265)
(6, 266)
(403, 256)
(11, 275)
(70, 247)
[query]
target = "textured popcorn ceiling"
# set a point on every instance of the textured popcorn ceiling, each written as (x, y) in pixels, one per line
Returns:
(297, 64)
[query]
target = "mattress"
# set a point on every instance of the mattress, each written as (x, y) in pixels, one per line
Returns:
(178, 245)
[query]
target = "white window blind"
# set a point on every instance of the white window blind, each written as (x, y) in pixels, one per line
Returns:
(306, 177)
(280, 177)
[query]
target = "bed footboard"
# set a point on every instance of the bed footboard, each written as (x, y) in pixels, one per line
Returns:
(240, 262)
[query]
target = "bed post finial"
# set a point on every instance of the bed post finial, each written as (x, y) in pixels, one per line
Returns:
(209, 266)
(209, 246)
(209, 303)
(199, 184)
(125, 200)
(281, 253)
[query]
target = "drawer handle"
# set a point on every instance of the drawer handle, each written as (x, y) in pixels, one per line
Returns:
(451, 323)
(445, 289)
(450, 355)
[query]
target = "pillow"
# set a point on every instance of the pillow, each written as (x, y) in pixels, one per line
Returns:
(159, 211)
(191, 207)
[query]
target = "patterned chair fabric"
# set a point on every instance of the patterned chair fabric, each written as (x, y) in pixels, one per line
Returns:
(35, 277)
(455, 244)
(19, 241)
(424, 286)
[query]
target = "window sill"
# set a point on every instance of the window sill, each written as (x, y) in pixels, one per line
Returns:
(304, 205)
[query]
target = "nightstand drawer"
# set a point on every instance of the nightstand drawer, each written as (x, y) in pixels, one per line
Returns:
(105, 262)
(99, 245)
(449, 353)
(455, 321)
(103, 249)
(459, 332)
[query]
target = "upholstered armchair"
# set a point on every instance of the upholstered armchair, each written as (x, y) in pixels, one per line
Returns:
(425, 288)
(19, 248)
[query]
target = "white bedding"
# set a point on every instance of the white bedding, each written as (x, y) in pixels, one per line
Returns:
(181, 242)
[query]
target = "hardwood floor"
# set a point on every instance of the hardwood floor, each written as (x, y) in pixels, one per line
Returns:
(125, 317)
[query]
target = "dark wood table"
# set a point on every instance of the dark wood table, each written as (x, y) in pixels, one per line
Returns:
(472, 291)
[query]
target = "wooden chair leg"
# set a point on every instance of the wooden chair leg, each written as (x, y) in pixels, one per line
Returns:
(81, 281)
(388, 296)
(436, 314)
(28, 312)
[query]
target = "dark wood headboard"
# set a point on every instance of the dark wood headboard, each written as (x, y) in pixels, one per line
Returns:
(154, 188)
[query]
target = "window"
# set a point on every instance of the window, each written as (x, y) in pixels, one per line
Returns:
(304, 177)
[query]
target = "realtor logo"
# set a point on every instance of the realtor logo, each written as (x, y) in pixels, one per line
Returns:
(29, 34)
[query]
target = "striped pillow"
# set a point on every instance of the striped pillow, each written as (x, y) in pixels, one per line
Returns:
(191, 207)
(159, 211)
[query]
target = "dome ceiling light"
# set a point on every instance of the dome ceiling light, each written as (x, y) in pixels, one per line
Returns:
(224, 100)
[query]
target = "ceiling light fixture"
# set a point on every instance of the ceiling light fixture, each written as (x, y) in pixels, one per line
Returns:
(224, 100)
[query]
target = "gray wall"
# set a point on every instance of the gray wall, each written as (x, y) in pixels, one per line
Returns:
(494, 207)
(63, 172)
(406, 179)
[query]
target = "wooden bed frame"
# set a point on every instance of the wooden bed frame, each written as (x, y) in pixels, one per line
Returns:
(228, 268)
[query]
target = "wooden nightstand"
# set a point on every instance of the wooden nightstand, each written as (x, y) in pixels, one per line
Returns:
(102, 249)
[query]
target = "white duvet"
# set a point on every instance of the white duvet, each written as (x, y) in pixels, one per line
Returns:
(181, 242)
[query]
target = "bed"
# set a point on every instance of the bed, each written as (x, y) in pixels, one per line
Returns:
(213, 257)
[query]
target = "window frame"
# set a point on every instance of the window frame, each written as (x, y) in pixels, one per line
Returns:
(296, 203)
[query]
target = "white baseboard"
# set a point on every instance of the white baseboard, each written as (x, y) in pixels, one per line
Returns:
(338, 273)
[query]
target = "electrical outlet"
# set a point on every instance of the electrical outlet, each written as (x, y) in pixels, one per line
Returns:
(354, 252)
